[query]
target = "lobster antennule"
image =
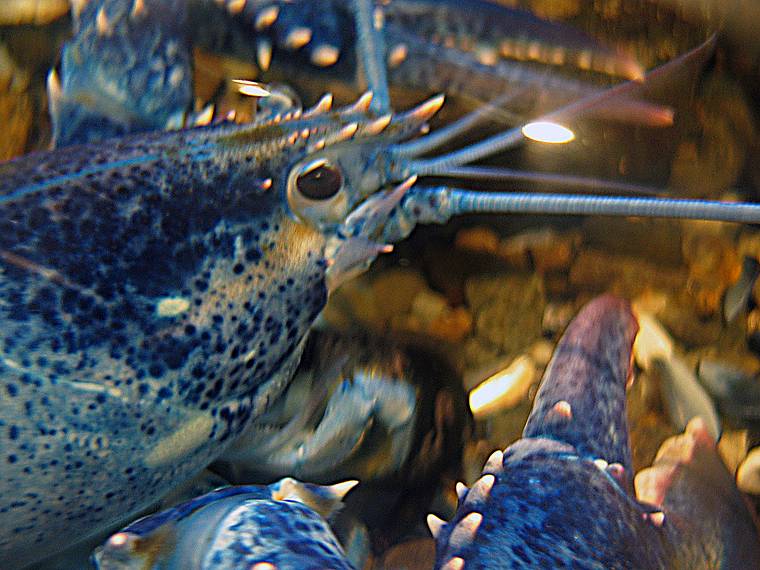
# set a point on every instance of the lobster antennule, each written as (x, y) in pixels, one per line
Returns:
(513, 137)
(420, 146)
(585, 183)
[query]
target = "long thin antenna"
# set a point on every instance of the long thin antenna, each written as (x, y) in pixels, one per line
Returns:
(371, 52)
(455, 201)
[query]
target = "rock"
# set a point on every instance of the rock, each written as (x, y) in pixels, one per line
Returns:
(541, 352)
(627, 276)
(502, 388)
(652, 342)
(748, 243)
(354, 302)
(452, 326)
(650, 301)
(753, 329)
(507, 310)
(717, 133)
(733, 447)
(16, 109)
(37, 12)
(478, 352)
(680, 318)
(748, 473)
(713, 266)
(428, 306)
(394, 291)
(479, 239)
(556, 317)
(416, 554)
(658, 241)
(544, 249)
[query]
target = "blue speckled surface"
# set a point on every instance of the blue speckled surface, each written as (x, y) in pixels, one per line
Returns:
(561, 497)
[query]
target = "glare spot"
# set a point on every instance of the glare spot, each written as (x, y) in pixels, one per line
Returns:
(118, 539)
(548, 132)
(252, 88)
(504, 389)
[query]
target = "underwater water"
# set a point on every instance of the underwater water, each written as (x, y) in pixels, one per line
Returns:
(157, 291)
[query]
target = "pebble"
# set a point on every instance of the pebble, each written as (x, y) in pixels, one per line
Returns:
(657, 241)
(479, 239)
(681, 319)
(428, 306)
(556, 317)
(16, 109)
(732, 447)
(625, 275)
(37, 12)
(713, 266)
(452, 326)
(748, 473)
(506, 309)
(395, 290)
(652, 342)
(721, 128)
(541, 352)
(416, 554)
(545, 249)
(502, 388)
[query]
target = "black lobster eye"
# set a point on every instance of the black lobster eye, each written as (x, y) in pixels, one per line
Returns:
(321, 182)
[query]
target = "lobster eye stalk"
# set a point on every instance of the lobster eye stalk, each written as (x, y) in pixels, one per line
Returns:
(319, 181)
(317, 192)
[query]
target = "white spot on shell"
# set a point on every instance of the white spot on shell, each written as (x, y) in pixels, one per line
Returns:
(102, 24)
(564, 409)
(176, 77)
(118, 540)
(138, 9)
(601, 464)
(267, 17)
(325, 56)
(658, 518)
(297, 38)
(172, 306)
(190, 435)
(235, 6)
(397, 55)
(264, 54)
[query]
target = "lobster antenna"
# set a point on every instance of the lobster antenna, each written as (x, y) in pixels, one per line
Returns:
(587, 183)
(513, 137)
(456, 201)
(371, 52)
(445, 134)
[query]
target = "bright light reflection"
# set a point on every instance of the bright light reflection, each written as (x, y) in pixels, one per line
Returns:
(548, 132)
(252, 88)
(119, 539)
(504, 389)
